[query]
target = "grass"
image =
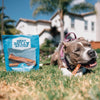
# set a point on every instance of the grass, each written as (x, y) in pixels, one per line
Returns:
(48, 83)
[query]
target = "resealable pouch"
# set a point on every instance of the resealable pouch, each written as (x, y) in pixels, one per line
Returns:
(21, 52)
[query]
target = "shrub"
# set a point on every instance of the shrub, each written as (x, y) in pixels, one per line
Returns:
(47, 48)
(97, 50)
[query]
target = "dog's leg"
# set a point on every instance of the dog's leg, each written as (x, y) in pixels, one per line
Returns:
(81, 72)
(66, 72)
(54, 58)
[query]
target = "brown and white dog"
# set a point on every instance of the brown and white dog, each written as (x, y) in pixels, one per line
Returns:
(78, 51)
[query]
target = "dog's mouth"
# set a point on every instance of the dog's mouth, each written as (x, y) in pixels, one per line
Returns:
(91, 64)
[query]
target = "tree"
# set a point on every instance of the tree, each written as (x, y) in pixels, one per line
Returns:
(9, 28)
(48, 6)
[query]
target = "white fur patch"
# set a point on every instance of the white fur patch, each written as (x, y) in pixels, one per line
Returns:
(80, 43)
(79, 74)
(66, 72)
(85, 55)
(64, 64)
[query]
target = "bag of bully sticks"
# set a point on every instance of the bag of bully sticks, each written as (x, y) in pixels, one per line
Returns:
(21, 52)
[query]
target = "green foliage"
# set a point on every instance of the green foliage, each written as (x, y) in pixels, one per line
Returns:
(1, 57)
(48, 6)
(97, 50)
(9, 27)
(46, 48)
(83, 7)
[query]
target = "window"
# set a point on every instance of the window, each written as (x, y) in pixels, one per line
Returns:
(72, 22)
(86, 25)
(55, 21)
(92, 26)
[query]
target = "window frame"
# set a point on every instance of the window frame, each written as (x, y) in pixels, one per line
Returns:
(72, 22)
(92, 26)
(85, 24)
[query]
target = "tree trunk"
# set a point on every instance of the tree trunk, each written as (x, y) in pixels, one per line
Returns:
(2, 26)
(62, 26)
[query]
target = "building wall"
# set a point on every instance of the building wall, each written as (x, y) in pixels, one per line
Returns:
(79, 23)
(79, 27)
(55, 21)
(97, 8)
(90, 34)
(32, 28)
(26, 28)
(45, 35)
(41, 26)
(22, 27)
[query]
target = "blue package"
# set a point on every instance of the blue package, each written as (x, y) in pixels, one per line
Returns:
(21, 52)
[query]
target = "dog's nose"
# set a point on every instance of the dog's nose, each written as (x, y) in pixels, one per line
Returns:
(91, 53)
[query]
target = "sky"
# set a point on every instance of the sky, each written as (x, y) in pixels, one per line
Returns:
(17, 9)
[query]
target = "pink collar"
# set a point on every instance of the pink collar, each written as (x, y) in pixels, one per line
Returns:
(66, 40)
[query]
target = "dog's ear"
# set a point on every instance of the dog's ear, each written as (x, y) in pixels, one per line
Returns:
(65, 45)
(81, 38)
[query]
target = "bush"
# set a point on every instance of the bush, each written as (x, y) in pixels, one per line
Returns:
(97, 50)
(2, 58)
(47, 48)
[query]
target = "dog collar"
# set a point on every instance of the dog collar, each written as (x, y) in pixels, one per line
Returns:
(62, 56)
(66, 40)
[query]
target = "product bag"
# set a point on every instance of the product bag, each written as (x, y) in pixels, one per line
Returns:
(21, 52)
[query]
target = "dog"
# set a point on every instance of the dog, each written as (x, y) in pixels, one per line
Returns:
(78, 51)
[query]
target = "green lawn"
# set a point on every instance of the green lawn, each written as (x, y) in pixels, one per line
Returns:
(48, 83)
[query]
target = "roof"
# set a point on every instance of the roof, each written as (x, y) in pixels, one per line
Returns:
(48, 30)
(88, 13)
(74, 14)
(49, 22)
(45, 30)
(33, 21)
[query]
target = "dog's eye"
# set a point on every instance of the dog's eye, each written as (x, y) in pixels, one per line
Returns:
(78, 49)
(89, 45)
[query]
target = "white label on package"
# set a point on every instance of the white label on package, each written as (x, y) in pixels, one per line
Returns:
(21, 43)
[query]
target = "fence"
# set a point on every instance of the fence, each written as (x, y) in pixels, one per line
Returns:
(95, 45)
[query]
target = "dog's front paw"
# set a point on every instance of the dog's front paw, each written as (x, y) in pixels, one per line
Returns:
(66, 72)
(79, 74)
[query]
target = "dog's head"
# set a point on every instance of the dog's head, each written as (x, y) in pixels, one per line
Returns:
(79, 51)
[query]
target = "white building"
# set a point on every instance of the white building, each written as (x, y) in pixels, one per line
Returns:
(31, 27)
(83, 25)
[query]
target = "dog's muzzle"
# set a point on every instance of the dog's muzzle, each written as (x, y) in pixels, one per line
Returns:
(91, 53)
(92, 63)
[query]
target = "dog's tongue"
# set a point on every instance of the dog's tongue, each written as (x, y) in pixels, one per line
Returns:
(91, 65)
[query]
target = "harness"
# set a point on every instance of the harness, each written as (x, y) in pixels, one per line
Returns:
(66, 40)
(62, 56)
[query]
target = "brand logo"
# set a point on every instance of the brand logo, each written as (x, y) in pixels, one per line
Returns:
(21, 43)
